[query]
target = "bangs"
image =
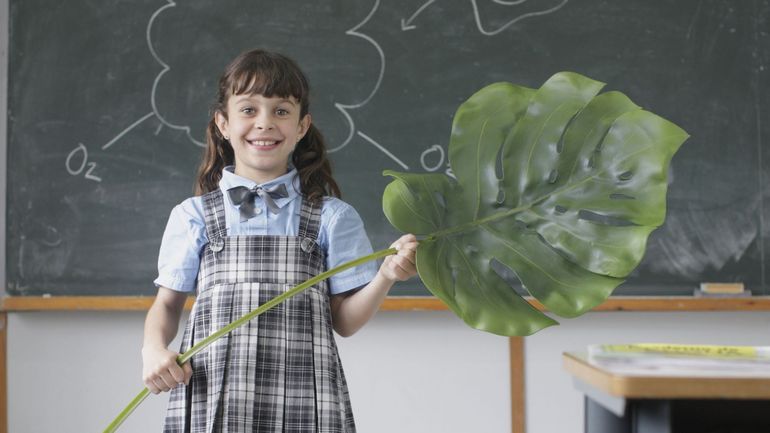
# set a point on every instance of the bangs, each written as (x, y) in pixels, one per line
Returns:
(268, 79)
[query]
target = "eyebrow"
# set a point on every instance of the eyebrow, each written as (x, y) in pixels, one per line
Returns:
(241, 98)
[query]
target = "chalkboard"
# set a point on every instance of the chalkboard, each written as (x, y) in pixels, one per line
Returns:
(108, 102)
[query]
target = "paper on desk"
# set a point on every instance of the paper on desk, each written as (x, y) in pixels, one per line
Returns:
(672, 359)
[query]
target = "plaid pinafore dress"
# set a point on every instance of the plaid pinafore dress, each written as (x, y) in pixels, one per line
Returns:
(280, 372)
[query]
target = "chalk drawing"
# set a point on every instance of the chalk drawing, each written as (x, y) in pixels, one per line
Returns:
(383, 149)
(408, 24)
(125, 131)
(431, 152)
(160, 75)
(81, 152)
(343, 108)
(485, 32)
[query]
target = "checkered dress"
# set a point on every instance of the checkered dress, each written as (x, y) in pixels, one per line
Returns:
(280, 372)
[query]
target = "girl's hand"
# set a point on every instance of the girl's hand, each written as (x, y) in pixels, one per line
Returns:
(160, 372)
(401, 266)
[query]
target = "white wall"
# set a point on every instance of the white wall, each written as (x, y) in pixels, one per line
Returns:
(408, 372)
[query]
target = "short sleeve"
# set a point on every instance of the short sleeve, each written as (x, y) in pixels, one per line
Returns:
(346, 240)
(183, 240)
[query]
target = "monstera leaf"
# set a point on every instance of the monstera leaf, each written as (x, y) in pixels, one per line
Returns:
(561, 185)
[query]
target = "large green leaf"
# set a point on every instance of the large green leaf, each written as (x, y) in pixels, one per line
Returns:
(561, 185)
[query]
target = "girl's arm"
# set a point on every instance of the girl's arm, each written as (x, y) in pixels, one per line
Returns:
(160, 371)
(351, 311)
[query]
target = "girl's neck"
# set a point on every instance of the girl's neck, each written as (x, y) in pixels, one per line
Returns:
(259, 177)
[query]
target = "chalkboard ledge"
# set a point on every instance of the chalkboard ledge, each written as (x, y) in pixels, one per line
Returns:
(396, 303)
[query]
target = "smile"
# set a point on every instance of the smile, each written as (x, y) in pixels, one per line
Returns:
(262, 142)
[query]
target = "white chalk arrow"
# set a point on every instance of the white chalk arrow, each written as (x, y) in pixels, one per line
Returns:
(407, 24)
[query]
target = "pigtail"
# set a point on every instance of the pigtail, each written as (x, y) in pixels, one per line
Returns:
(216, 156)
(313, 167)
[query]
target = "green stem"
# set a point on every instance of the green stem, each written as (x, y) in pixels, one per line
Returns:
(475, 223)
(244, 319)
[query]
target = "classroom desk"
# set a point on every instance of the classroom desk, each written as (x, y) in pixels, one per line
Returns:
(670, 403)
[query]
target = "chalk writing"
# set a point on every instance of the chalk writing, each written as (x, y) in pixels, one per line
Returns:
(81, 153)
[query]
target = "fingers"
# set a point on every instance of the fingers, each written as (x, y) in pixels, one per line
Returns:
(405, 242)
(187, 372)
(407, 246)
(177, 373)
(401, 266)
(167, 375)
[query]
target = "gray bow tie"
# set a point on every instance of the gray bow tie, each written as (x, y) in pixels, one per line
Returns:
(244, 197)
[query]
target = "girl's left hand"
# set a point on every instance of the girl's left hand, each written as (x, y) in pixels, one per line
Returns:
(401, 266)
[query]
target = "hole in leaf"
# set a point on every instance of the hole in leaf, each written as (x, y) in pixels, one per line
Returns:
(509, 276)
(560, 143)
(594, 159)
(553, 176)
(619, 196)
(560, 209)
(603, 219)
(601, 141)
(500, 196)
(626, 176)
(520, 225)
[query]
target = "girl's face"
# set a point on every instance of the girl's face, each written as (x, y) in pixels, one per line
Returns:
(262, 132)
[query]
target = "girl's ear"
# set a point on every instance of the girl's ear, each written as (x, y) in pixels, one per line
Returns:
(304, 125)
(221, 122)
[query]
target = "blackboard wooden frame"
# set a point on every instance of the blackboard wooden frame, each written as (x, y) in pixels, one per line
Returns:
(398, 303)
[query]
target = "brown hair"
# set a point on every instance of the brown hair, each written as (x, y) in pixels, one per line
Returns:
(268, 74)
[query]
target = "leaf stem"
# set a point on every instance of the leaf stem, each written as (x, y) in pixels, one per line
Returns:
(471, 224)
(181, 359)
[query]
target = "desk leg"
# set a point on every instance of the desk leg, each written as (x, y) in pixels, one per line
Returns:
(651, 416)
(600, 420)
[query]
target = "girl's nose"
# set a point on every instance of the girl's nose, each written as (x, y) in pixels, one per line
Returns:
(263, 122)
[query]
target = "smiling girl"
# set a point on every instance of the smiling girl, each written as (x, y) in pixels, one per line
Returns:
(267, 216)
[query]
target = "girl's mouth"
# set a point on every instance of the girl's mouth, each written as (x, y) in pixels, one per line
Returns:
(263, 143)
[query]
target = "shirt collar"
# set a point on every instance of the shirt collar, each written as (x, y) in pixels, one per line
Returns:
(290, 179)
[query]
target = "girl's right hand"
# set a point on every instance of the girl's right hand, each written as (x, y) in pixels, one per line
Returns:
(160, 372)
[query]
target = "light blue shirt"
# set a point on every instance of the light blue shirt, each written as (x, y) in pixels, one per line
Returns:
(341, 234)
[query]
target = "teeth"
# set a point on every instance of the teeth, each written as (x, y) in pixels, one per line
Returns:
(263, 143)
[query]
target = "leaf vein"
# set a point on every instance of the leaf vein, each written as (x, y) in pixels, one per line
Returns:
(405, 200)
(474, 274)
(525, 258)
(432, 201)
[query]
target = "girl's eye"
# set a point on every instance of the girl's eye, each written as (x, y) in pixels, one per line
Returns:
(282, 112)
(247, 110)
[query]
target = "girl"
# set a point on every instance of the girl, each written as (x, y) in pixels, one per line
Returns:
(263, 222)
